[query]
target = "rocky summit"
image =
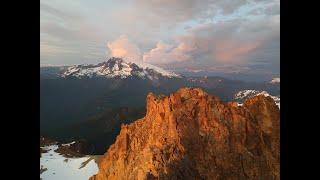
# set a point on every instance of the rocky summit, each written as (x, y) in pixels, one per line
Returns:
(193, 135)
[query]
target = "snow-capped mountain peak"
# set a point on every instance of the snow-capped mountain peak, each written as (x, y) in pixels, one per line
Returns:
(244, 94)
(117, 67)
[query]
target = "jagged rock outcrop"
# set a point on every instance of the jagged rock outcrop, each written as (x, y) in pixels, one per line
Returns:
(192, 135)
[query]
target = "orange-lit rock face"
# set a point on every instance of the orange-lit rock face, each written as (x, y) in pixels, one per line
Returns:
(192, 135)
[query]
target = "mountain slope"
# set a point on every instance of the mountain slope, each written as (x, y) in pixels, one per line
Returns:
(192, 135)
(101, 130)
(67, 101)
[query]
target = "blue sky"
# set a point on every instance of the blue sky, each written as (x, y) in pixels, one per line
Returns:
(182, 34)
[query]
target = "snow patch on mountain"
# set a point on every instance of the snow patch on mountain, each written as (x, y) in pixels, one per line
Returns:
(244, 94)
(117, 67)
(55, 166)
(68, 144)
(275, 80)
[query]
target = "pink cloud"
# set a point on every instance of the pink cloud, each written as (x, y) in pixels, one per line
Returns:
(165, 53)
(123, 48)
(231, 51)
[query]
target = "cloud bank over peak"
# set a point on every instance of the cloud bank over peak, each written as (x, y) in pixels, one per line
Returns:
(235, 42)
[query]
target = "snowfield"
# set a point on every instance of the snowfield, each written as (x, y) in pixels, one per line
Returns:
(58, 167)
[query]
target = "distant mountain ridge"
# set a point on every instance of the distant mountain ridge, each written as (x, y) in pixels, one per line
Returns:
(248, 93)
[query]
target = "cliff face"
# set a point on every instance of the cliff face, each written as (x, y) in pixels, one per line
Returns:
(193, 135)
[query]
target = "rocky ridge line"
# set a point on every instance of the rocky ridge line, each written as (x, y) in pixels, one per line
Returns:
(192, 135)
